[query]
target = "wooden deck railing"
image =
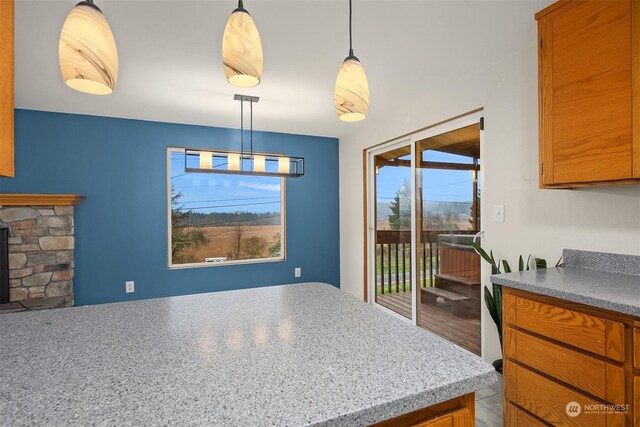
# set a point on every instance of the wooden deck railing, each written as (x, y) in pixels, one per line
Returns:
(393, 259)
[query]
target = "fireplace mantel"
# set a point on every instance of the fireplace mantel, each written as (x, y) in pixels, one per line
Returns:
(40, 199)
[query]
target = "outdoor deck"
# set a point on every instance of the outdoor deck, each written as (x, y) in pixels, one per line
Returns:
(463, 331)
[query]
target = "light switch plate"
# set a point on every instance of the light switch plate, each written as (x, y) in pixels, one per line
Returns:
(129, 287)
(298, 272)
(498, 213)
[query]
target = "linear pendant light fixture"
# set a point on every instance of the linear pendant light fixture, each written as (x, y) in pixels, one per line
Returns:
(352, 87)
(241, 162)
(87, 51)
(242, 49)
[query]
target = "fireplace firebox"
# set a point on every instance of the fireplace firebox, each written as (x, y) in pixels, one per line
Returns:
(4, 265)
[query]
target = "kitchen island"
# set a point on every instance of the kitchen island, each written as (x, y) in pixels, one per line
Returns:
(305, 354)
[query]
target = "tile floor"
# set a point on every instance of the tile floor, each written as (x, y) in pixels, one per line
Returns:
(489, 406)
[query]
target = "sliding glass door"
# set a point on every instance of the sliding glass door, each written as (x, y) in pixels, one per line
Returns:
(447, 217)
(423, 198)
(391, 177)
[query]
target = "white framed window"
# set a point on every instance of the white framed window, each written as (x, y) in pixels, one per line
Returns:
(222, 219)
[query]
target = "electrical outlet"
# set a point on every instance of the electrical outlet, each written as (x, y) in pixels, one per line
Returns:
(298, 272)
(498, 213)
(129, 287)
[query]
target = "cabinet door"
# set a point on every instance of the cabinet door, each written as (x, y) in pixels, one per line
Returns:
(6, 87)
(586, 93)
(518, 418)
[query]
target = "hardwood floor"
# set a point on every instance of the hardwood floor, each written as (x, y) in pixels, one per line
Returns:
(461, 328)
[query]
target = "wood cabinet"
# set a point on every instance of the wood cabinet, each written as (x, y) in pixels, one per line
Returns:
(568, 364)
(6, 88)
(589, 93)
(458, 412)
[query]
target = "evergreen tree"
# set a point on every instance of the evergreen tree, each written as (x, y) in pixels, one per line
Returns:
(399, 218)
(182, 237)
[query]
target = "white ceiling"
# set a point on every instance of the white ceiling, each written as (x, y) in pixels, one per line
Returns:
(171, 68)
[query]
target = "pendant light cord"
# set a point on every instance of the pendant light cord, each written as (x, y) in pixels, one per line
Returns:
(350, 35)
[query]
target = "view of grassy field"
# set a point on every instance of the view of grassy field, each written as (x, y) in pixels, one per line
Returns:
(222, 241)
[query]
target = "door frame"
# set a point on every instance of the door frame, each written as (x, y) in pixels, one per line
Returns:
(411, 138)
(370, 226)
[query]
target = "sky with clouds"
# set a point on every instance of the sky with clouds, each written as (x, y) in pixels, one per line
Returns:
(208, 192)
(438, 185)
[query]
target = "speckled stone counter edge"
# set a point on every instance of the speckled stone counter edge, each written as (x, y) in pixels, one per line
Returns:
(416, 402)
(602, 261)
(568, 296)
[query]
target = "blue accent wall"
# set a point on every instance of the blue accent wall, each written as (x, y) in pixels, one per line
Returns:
(121, 228)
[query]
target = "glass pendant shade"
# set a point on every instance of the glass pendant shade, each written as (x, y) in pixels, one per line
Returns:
(352, 91)
(87, 51)
(242, 50)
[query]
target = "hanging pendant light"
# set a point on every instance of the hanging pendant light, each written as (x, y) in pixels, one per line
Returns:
(243, 162)
(242, 49)
(352, 88)
(87, 51)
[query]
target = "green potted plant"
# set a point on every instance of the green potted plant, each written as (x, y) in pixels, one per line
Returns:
(493, 299)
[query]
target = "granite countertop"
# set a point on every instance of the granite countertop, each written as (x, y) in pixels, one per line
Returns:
(305, 354)
(587, 278)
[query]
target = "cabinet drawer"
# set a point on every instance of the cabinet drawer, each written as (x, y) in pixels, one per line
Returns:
(549, 400)
(587, 373)
(588, 332)
(519, 418)
(455, 412)
(459, 417)
(438, 422)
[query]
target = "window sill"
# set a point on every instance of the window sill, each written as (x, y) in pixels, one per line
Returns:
(225, 263)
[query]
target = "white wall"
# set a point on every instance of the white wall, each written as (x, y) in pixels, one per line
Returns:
(541, 222)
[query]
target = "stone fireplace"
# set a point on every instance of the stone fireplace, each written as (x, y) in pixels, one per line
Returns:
(41, 248)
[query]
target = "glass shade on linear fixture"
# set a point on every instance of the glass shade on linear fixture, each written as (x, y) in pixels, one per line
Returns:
(284, 165)
(259, 163)
(87, 51)
(206, 160)
(242, 49)
(232, 162)
(352, 91)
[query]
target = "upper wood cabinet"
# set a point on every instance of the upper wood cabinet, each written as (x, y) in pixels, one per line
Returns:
(589, 93)
(6, 88)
